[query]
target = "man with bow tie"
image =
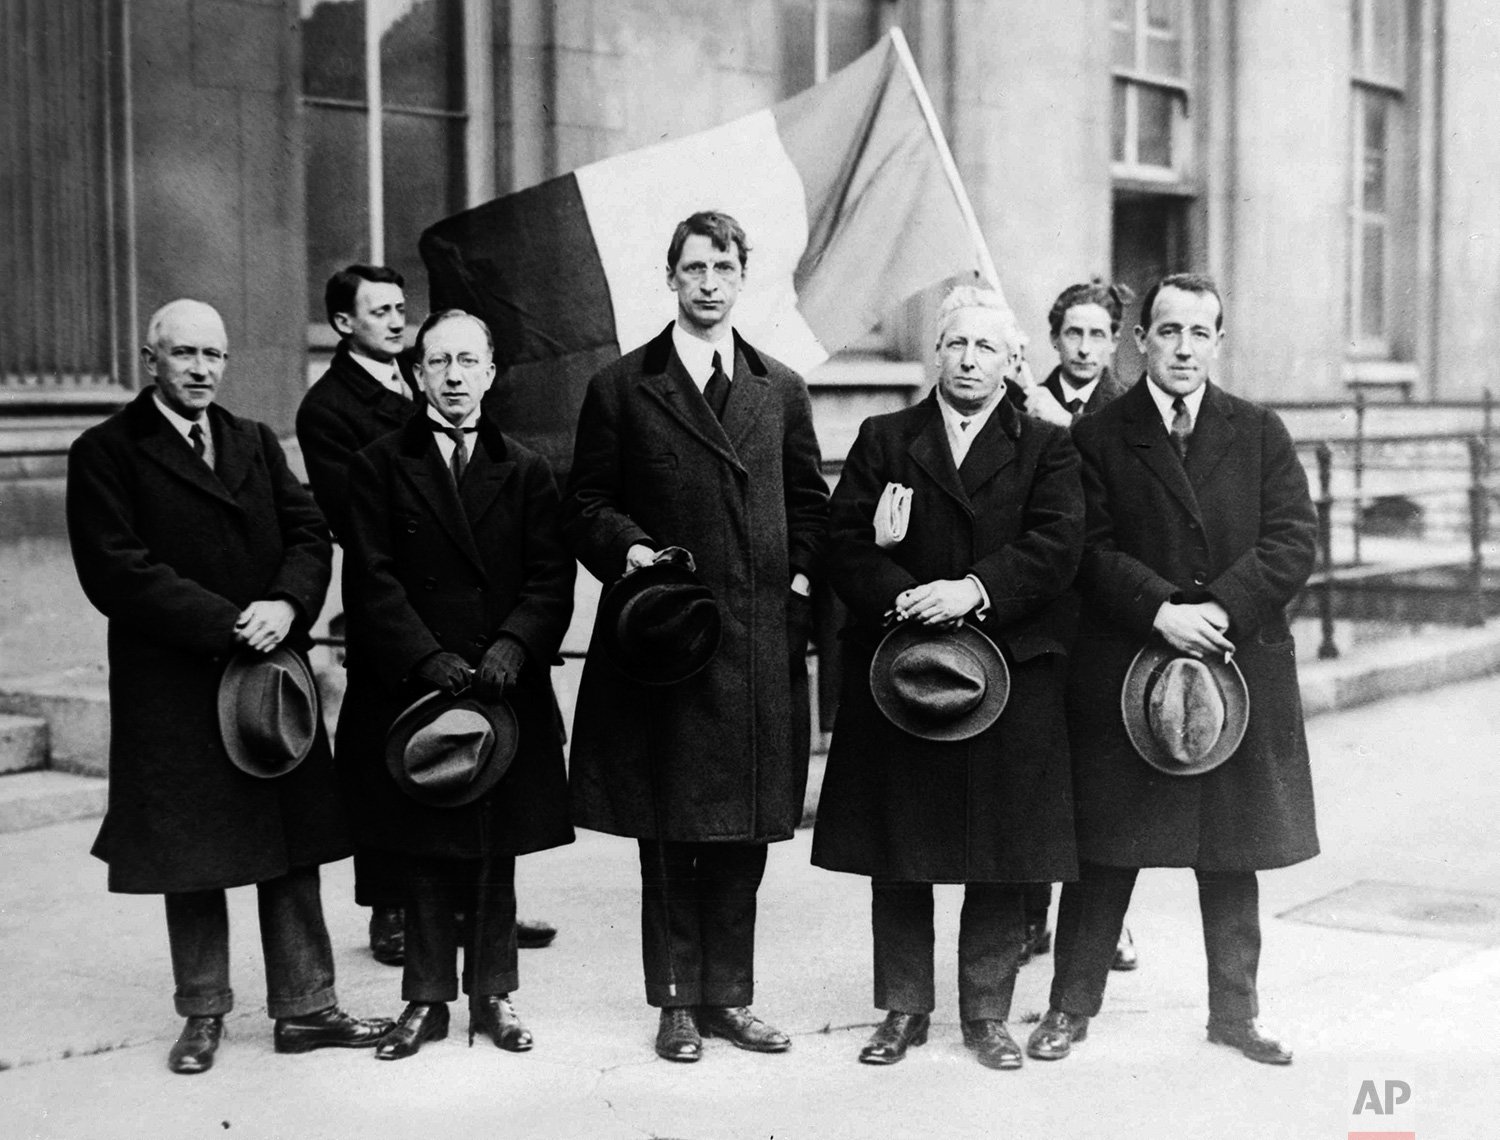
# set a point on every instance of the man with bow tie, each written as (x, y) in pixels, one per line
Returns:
(456, 580)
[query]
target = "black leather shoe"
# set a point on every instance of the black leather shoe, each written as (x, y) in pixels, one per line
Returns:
(419, 1022)
(893, 1036)
(989, 1040)
(1125, 956)
(1248, 1039)
(1055, 1037)
(388, 935)
(194, 1049)
(328, 1028)
(496, 1018)
(677, 1037)
(534, 935)
(742, 1028)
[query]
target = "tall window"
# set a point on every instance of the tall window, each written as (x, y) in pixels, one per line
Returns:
(385, 84)
(818, 37)
(60, 232)
(1377, 106)
(1149, 41)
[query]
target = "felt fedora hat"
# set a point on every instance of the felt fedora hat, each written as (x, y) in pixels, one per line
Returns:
(1185, 716)
(939, 683)
(268, 711)
(660, 623)
(447, 751)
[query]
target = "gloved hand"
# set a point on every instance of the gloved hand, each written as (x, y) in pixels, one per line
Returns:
(446, 671)
(501, 667)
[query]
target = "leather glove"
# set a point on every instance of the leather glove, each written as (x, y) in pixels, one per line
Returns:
(446, 671)
(501, 667)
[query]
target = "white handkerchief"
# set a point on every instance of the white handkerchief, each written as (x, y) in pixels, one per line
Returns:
(892, 515)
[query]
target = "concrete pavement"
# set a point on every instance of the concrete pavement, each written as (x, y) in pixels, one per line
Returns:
(1406, 793)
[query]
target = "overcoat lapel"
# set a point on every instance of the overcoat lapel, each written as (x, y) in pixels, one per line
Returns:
(675, 391)
(992, 451)
(929, 450)
(235, 449)
(747, 401)
(488, 471)
(421, 464)
(160, 441)
(1149, 442)
(1213, 436)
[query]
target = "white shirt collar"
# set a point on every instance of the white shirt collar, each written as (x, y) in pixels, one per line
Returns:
(185, 425)
(1163, 401)
(383, 371)
(1081, 394)
(960, 439)
(697, 355)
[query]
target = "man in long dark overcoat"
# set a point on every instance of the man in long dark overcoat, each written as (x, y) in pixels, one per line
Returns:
(456, 577)
(697, 440)
(994, 537)
(192, 537)
(1200, 531)
(366, 392)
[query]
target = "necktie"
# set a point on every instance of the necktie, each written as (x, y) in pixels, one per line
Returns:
(963, 426)
(1073, 406)
(195, 436)
(716, 391)
(1182, 428)
(459, 460)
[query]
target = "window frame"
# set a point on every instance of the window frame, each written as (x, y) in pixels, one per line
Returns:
(1138, 77)
(477, 116)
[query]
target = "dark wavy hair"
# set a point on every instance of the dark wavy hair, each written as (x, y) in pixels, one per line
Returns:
(1189, 283)
(718, 227)
(339, 293)
(1111, 298)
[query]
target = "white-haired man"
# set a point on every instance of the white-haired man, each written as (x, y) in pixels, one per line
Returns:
(193, 538)
(993, 539)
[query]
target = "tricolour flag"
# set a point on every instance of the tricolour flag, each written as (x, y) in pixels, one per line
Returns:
(848, 196)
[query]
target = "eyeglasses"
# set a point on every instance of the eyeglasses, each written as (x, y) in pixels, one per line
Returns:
(442, 362)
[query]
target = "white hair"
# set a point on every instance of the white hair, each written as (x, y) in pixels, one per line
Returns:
(172, 309)
(962, 297)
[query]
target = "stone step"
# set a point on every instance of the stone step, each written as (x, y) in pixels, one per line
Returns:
(23, 743)
(75, 705)
(35, 799)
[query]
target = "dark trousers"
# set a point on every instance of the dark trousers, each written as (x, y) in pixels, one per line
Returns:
(293, 938)
(1092, 912)
(991, 933)
(1038, 903)
(378, 878)
(485, 890)
(698, 921)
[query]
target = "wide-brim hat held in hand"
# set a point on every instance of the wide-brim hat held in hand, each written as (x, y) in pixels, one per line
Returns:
(660, 624)
(447, 751)
(1185, 716)
(939, 682)
(268, 711)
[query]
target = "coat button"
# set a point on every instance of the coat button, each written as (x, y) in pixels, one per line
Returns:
(429, 584)
(1199, 579)
(411, 526)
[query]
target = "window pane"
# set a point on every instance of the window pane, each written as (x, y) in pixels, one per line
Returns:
(1388, 40)
(1117, 149)
(851, 31)
(1164, 16)
(1122, 32)
(1372, 286)
(1376, 150)
(1164, 56)
(424, 186)
(1153, 126)
(333, 49)
(796, 46)
(1357, 34)
(421, 54)
(338, 205)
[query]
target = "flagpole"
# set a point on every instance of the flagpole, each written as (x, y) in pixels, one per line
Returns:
(950, 168)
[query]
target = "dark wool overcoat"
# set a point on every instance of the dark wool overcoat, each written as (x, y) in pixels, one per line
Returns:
(996, 807)
(345, 411)
(1105, 392)
(723, 755)
(432, 567)
(171, 553)
(1236, 525)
